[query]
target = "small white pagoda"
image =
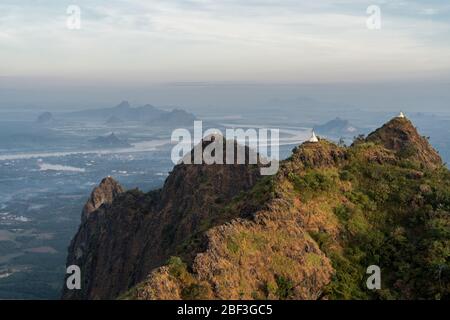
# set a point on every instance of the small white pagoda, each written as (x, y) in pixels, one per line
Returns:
(313, 138)
(401, 115)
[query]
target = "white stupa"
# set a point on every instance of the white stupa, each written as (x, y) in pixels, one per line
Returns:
(401, 115)
(313, 138)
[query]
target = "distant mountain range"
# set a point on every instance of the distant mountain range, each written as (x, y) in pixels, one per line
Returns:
(174, 117)
(146, 114)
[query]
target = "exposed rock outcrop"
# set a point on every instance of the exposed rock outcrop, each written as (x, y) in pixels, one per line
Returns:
(117, 245)
(105, 193)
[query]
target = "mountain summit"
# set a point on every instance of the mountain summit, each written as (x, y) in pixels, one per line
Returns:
(401, 136)
(308, 232)
(104, 194)
(123, 105)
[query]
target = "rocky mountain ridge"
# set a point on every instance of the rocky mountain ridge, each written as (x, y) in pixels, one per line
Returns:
(129, 233)
(309, 232)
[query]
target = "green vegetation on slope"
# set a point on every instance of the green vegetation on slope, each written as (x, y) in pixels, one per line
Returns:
(312, 230)
(395, 216)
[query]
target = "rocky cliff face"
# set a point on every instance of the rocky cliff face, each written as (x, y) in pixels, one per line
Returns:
(124, 235)
(309, 232)
(105, 193)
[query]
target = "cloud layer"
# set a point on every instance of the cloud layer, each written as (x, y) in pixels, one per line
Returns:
(226, 40)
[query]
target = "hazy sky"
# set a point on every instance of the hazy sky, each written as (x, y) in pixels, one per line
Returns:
(281, 41)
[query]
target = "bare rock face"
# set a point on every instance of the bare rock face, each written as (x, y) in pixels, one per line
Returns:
(117, 245)
(243, 257)
(105, 193)
(401, 136)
